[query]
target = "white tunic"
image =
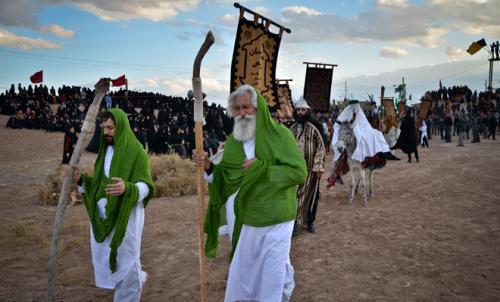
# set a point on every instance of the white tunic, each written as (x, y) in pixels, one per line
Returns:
(129, 251)
(423, 130)
(260, 269)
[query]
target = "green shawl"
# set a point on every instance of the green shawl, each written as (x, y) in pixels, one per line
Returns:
(131, 163)
(267, 190)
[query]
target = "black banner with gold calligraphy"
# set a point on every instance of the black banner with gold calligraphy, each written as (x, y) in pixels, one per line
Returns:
(285, 111)
(254, 60)
(317, 88)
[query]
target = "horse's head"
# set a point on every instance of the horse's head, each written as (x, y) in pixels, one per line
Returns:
(346, 138)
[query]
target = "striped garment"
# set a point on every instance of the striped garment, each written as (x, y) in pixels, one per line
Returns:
(311, 144)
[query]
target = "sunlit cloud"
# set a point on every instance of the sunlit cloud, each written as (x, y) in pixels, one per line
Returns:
(12, 40)
(393, 52)
(57, 30)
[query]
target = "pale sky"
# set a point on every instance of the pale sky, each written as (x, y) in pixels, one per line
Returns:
(154, 43)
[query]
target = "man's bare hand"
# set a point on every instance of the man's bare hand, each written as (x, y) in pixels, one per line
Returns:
(201, 159)
(116, 188)
(76, 174)
(247, 163)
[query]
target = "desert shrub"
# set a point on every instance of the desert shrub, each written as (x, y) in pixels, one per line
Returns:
(172, 176)
(51, 188)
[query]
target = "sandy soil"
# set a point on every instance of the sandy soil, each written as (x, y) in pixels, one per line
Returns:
(431, 233)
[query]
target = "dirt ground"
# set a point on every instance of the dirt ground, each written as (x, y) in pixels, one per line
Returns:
(431, 233)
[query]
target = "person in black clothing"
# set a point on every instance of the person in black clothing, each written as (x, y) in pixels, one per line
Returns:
(448, 122)
(492, 125)
(407, 140)
(476, 138)
(140, 136)
(213, 143)
(460, 124)
(70, 139)
(467, 126)
(93, 145)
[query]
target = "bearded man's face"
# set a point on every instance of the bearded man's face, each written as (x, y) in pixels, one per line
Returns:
(245, 117)
(108, 127)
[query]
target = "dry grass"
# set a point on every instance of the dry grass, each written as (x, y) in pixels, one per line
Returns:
(76, 227)
(22, 235)
(172, 176)
(51, 188)
(76, 243)
(76, 275)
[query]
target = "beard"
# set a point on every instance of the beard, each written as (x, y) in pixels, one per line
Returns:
(302, 118)
(244, 127)
(109, 140)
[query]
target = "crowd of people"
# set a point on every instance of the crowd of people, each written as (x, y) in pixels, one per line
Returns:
(161, 123)
(267, 177)
(463, 93)
(460, 123)
(461, 112)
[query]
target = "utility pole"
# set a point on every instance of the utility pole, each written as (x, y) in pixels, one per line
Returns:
(345, 89)
(490, 74)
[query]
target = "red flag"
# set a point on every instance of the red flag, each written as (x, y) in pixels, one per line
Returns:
(37, 77)
(119, 81)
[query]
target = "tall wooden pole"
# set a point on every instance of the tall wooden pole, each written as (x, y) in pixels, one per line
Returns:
(88, 127)
(198, 118)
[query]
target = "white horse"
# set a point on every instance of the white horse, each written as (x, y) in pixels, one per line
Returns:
(347, 141)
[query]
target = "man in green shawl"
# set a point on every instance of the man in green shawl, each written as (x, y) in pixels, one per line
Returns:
(115, 198)
(256, 181)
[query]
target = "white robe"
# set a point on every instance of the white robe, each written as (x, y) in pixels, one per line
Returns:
(260, 269)
(369, 141)
(423, 130)
(129, 251)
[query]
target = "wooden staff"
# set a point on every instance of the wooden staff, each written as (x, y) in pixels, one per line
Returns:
(88, 127)
(382, 115)
(198, 118)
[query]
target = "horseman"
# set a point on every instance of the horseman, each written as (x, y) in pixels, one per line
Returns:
(361, 146)
(369, 141)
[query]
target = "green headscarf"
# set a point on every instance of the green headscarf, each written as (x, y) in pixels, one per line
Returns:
(130, 163)
(267, 190)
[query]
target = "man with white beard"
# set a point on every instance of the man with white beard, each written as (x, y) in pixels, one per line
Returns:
(256, 180)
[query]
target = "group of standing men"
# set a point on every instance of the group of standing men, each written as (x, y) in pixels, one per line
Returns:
(267, 181)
